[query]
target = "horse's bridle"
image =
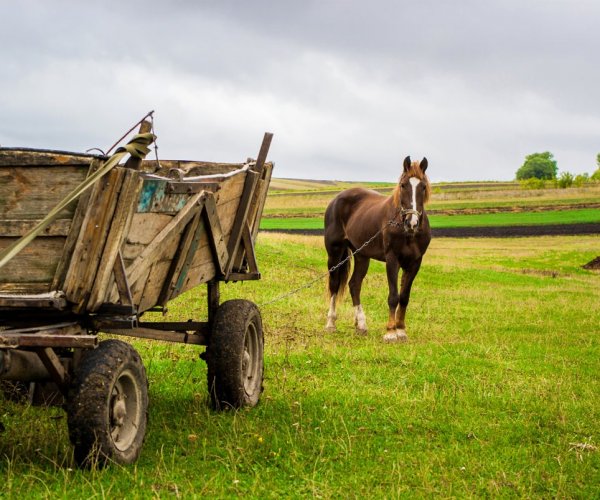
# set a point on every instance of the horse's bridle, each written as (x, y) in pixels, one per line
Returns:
(403, 212)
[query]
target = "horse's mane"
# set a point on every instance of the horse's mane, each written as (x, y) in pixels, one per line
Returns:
(413, 171)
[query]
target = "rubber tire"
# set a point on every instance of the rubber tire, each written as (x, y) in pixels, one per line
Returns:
(235, 356)
(113, 369)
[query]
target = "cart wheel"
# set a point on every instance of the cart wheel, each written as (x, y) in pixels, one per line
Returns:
(107, 408)
(235, 356)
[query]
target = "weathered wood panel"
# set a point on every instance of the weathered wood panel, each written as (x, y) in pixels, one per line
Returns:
(18, 227)
(18, 157)
(191, 168)
(121, 220)
(90, 243)
(30, 193)
(36, 263)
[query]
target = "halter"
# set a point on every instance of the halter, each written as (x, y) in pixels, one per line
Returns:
(403, 212)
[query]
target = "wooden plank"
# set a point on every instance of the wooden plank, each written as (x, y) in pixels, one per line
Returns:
(13, 340)
(262, 198)
(190, 168)
(30, 193)
(179, 260)
(25, 288)
(125, 296)
(17, 157)
(217, 238)
(39, 301)
(248, 246)
(121, 219)
(91, 241)
(77, 221)
(36, 263)
(255, 213)
(156, 248)
(18, 227)
(240, 219)
(153, 286)
(149, 333)
(52, 363)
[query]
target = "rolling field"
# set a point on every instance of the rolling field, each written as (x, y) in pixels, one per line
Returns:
(496, 393)
(453, 205)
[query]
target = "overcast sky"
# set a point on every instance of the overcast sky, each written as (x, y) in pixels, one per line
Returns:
(349, 88)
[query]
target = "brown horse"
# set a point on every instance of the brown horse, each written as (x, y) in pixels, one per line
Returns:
(399, 231)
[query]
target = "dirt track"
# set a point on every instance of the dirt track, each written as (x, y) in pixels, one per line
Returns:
(491, 232)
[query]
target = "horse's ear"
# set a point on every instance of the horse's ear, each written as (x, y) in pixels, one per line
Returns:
(423, 164)
(407, 164)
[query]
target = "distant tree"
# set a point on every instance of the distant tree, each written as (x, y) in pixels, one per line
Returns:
(596, 175)
(538, 165)
(598, 161)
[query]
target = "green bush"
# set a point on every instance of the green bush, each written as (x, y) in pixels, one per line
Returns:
(596, 175)
(565, 180)
(581, 179)
(532, 183)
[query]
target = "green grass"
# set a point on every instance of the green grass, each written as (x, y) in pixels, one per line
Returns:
(495, 395)
(442, 221)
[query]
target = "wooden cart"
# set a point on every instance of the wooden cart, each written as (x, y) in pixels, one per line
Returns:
(136, 235)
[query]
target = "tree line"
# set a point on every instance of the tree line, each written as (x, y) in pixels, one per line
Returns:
(541, 167)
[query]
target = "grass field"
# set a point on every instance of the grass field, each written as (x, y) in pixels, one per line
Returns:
(461, 198)
(496, 394)
(443, 221)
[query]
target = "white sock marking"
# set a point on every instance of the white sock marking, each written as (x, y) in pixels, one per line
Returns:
(360, 320)
(331, 315)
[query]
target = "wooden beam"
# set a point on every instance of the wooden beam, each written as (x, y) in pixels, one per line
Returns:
(17, 340)
(178, 268)
(217, 238)
(167, 336)
(119, 225)
(53, 365)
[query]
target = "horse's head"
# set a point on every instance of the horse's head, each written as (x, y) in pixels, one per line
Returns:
(412, 193)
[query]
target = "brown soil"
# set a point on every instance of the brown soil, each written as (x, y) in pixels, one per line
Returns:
(496, 232)
(594, 264)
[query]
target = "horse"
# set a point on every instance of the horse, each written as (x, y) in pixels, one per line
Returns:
(366, 225)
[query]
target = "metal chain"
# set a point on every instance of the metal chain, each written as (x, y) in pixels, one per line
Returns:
(334, 268)
(391, 222)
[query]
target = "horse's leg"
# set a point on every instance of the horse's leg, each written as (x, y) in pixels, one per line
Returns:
(336, 252)
(331, 314)
(361, 266)
(392, 267)
(408, 276)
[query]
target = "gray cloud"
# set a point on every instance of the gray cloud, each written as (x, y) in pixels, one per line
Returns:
(348, 88)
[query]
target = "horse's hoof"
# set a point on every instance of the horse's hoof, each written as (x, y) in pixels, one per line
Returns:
(330, 329)
(401, 336)
(362, 332)
(390, 337)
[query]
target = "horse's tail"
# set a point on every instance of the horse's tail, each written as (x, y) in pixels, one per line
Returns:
(338, 278)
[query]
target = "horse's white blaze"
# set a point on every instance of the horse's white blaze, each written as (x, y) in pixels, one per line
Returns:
(360, 319)
(414, 182)
(331, 315)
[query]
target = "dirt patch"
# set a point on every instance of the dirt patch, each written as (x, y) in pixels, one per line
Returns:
(593, 264)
